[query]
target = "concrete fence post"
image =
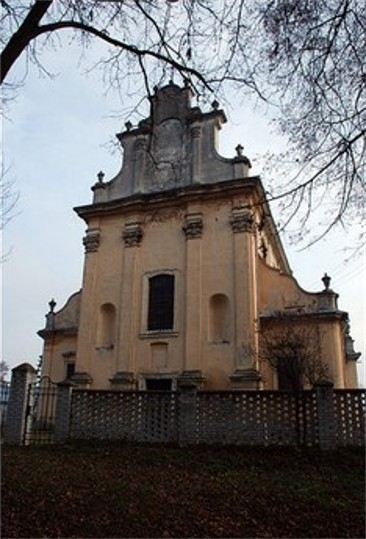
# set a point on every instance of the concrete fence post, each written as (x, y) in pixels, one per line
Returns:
(63, 411)
(187, 424)
(326, 419)
(21, 378)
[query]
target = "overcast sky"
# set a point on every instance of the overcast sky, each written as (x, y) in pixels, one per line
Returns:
(56, 137)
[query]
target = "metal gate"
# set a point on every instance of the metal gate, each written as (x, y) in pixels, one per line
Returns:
(39, 425)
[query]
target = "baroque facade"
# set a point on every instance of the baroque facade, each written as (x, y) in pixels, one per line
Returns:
(184, 270)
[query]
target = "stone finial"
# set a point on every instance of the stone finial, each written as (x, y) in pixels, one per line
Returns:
(215, 104)
(52, 304)
(239, 150)
(243, 160)
(128, 126)
(326, 281)
(50, 316)
(100, 176)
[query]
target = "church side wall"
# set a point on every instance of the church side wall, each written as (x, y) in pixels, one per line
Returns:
(58, 351)
(280, 296)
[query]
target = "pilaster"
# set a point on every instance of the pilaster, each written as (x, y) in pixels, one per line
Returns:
(132, 235)
(245, 292)
(88, 318)
(196, 133)
(192, 228)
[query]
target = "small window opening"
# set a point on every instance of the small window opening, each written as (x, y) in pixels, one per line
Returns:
(70, 370)
(159, 384)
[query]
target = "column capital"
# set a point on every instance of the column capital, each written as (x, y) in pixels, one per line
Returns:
(242, 220)
(92, 240)
(196, 131)
(193, 226)
(132, 234)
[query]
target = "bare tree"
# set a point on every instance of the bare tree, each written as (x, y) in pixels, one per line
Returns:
(293, 352)
(9, 199)
(313, 60)
(305, 59)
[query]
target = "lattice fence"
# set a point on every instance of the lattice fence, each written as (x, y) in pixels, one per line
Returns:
(219, 417)
(134, 416)
(44, 412)
(349, 413)
(256, 418)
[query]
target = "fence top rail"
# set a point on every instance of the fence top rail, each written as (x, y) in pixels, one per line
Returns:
(222, 392)
(125, 392)
(360, 391)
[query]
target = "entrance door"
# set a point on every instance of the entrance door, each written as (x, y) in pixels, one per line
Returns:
(159, 384)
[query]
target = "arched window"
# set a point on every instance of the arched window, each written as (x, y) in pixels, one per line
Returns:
(161, 302)
(219, 319)
(107, 325)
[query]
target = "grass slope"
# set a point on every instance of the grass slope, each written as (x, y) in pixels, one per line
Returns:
(152, 491)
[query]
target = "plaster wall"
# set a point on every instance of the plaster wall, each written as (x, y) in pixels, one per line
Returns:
(203, 267)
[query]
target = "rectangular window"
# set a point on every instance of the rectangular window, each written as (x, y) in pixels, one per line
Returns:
(161, 303)
(158, 384)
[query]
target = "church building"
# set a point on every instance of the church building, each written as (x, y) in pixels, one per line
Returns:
(185, 273)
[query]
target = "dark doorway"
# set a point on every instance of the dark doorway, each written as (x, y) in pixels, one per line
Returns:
(159, 384)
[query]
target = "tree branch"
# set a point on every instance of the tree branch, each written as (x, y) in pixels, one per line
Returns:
(53, 27)
(27, 31)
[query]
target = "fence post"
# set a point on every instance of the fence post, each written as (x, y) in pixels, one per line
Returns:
(326, 419)
(187, 414)
(63, 411)
(21, 377)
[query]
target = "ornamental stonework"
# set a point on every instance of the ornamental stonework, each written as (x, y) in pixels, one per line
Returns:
(161, 216)
(196, 131)
(132, 234)
(193, 226)
(242, 220)
(91, 241)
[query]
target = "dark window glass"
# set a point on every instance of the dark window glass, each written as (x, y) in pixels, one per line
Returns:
(159, 384)
(70, 370)
(161, 302)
